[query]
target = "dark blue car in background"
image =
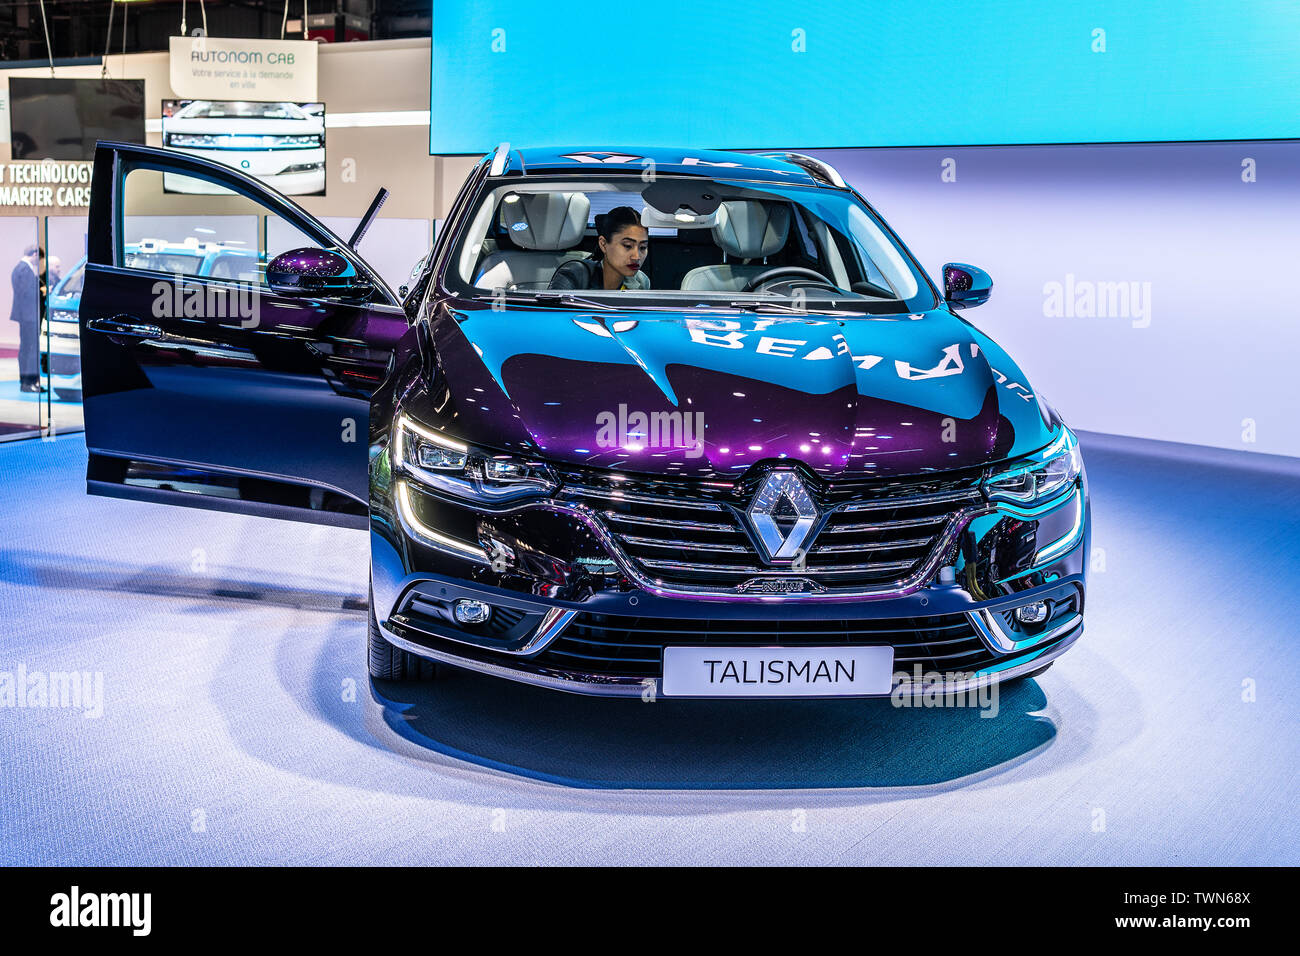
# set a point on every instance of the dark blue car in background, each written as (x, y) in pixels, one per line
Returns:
(60, 338)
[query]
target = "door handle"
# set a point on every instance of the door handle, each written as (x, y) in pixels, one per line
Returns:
(127, 326)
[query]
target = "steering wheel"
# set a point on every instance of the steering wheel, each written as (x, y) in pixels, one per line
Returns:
(793, 271)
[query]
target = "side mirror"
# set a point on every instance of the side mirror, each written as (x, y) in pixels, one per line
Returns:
(964, 286)
(316, 272)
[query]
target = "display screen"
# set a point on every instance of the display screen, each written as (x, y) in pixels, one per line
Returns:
(775, 74)
(281, 144)
(63, 119)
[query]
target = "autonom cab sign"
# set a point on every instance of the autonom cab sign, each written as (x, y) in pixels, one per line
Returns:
(221, 68)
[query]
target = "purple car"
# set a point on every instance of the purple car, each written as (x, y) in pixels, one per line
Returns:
(645, 422)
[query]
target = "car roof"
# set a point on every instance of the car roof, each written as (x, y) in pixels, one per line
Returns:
(667, 159)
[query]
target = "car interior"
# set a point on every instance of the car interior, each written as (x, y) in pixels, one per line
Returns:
(719, 250)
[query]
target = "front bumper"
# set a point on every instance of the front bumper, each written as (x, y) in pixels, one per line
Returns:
(544, 665)
(565, 622)
(294, 172)
(598, 685)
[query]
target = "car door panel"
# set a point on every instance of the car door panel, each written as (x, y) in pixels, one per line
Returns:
(216, 393)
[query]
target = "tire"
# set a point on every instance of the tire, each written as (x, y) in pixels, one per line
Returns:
(388, 662)
(1032, 674)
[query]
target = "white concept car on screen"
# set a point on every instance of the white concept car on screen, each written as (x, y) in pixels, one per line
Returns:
(282, 144)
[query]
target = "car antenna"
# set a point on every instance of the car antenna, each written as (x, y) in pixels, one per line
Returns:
(369, 217)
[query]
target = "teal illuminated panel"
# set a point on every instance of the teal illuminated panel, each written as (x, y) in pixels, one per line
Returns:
(704, 73)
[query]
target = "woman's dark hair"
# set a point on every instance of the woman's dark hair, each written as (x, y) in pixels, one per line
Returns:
(609, 224)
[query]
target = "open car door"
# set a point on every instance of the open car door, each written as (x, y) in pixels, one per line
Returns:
(206, 381)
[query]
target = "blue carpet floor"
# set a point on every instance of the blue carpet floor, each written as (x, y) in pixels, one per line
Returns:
(239, 726)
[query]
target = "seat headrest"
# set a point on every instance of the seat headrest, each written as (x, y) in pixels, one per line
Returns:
(750, 229)
(547, 220)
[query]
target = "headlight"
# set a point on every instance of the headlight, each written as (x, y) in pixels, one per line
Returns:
(191, 139)
(1037, 477)
(244, 141)
(292, 142)
(454, 468)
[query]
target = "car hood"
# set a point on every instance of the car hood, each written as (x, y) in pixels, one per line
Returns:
(64, 303)
(709, 394)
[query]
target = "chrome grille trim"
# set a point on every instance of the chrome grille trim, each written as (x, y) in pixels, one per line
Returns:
(873, 546)
(884, 525)
(731, 634)
(684, 545)
(756, 571)
(619, 646)
(682, 525)
(936, 658)
(717, 553)
(909, 501)
(634, 498)
(666, 565)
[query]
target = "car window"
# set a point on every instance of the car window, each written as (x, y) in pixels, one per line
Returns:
(235, 267)
(194, 226)
(805, 238)
(873, 247)
(72, 284)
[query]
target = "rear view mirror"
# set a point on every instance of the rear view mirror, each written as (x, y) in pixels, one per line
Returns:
(652, 218)
(965, 286)
(316, 272)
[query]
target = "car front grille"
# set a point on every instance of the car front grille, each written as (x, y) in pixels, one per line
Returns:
(626, 646)
(695, 535)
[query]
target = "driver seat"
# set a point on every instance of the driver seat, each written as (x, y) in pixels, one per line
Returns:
(745, 229)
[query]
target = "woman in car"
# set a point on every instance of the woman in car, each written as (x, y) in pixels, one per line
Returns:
(621, 246)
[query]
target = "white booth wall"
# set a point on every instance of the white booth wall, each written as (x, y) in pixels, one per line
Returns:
(1203, 239)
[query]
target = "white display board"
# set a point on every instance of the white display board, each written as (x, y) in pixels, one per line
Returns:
(227, 68)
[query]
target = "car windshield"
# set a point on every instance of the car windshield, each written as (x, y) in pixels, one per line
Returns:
(685, 242)
(72, 284)
(163, 261)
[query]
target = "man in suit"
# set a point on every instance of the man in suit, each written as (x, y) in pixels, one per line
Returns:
(26, 311)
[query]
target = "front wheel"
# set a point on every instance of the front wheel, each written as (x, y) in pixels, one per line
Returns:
(388, 662)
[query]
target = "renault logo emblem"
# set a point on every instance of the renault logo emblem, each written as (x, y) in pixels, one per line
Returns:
(783, 515)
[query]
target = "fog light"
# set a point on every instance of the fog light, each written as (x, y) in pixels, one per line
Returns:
(467, 611)
(1032, 613)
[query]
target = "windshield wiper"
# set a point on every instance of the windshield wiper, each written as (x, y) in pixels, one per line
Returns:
(568, 299)
(747, 306)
